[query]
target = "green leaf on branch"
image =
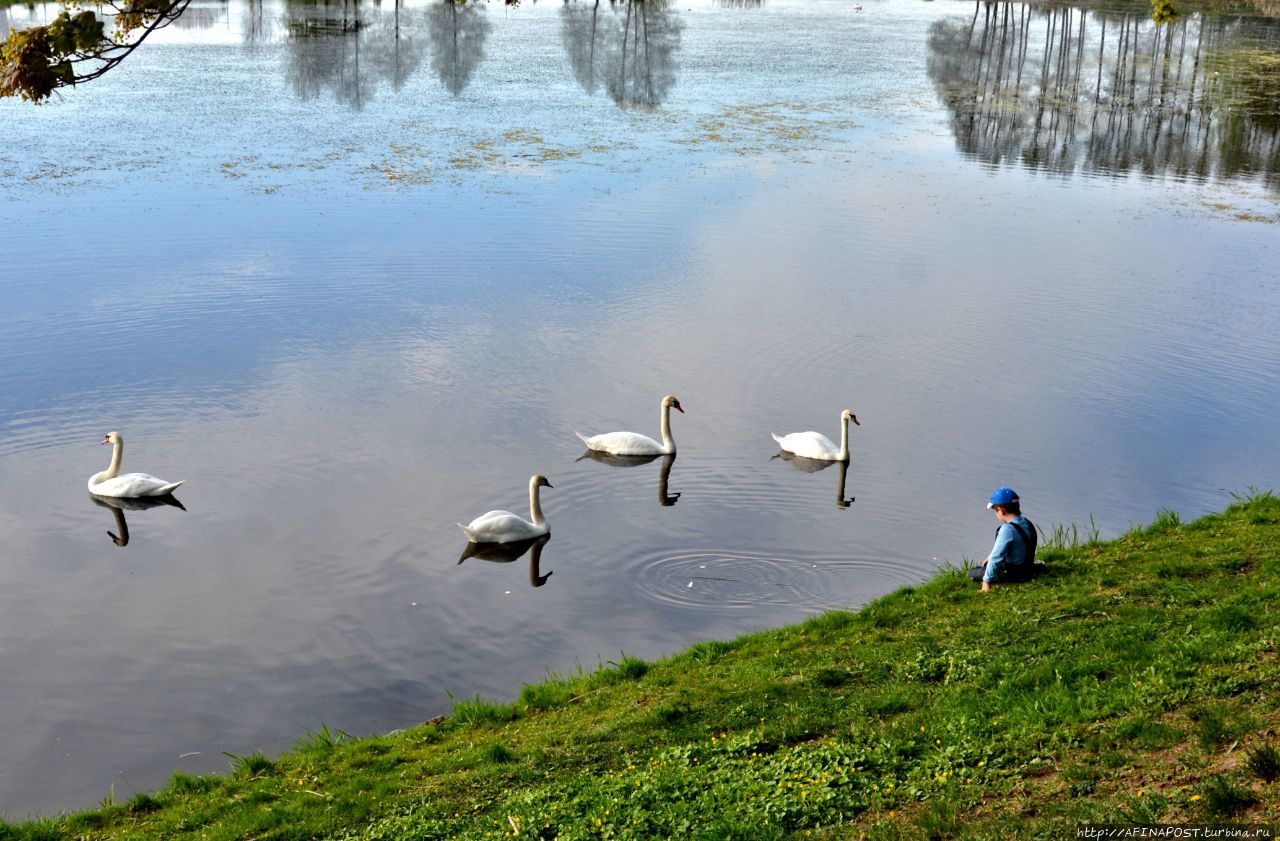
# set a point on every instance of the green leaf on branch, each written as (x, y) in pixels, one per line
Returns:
(73, 47)
(35, 61)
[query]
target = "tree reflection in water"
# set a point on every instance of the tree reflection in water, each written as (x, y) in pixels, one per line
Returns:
(458, 32)
(339, 47)
(202, 15)
(1062, 89)
(256, 27)
(396, 44)
(630, 47)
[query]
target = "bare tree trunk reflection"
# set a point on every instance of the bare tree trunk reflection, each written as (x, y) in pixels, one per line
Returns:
(631, 47)
(255, 26)
(458, 35)
(1153, 107)
(341, 49)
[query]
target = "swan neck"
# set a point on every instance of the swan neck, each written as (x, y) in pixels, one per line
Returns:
(844, 439)
(535, 506)
(122, 526)
(668, 443)
(117, 456)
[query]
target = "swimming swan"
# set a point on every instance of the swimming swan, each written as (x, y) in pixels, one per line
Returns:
(633, 443)
(816, 445)
(110, 483)
(505, 527)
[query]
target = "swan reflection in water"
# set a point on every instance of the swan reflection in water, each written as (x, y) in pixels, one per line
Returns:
(141, 503)
(813, 465)
(664, 472)
(505, 553)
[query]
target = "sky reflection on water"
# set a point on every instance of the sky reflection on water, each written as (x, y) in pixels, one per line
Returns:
(342, 364)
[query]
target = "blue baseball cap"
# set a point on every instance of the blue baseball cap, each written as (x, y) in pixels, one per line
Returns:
(1002, 496)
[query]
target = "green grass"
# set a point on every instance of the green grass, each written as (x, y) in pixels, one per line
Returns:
(1134, 682)
(1264, 762)
(1065, 538)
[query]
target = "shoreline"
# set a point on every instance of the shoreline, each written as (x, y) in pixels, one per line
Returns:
(1132, 684)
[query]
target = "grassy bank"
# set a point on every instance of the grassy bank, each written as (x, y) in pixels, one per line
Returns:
(1135, 683)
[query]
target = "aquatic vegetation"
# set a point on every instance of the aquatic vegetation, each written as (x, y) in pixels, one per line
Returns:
(769, 126)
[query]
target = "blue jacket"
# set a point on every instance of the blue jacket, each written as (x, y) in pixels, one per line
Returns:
(1012, 549)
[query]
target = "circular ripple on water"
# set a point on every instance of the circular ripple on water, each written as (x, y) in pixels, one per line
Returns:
(731, 580)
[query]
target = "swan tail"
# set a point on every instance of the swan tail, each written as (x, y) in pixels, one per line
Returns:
(778, 438)
(584, 439)
(168, 489)
(469, 533)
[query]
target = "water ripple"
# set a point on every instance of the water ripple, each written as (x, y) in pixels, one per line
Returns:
(734, 580)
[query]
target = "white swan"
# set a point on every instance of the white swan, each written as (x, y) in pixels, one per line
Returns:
(505, 527)
(633, 443)
(111, 483)
(816, 445)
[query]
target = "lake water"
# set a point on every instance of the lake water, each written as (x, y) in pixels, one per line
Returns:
(356, 281)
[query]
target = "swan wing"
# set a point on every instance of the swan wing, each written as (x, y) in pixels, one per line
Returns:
(133, 485)
(809, 444)
(623, 444)
(500, 527)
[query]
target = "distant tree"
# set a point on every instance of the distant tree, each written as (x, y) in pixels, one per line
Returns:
(74, 46)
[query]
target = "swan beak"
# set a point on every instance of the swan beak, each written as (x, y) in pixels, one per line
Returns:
(854, 418)
(676, 406)
(548, 484)
(105, 440)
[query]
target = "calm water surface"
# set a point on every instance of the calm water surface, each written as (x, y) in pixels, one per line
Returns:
(356, 280)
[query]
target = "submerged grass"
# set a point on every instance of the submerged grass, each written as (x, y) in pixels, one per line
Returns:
(1133, 683)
